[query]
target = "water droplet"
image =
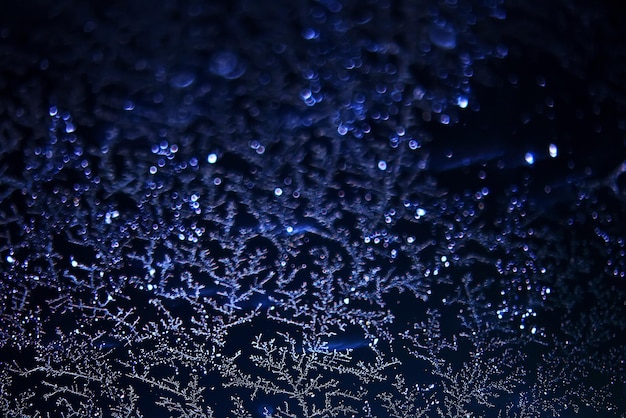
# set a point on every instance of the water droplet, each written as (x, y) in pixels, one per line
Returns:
(227, 64)
(310, 33)
(443, 36)
(530, 158)
(182, 79)
(553, 150)
(462, 102)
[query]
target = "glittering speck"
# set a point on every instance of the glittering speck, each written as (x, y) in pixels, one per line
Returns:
(553, 150)
(529, 158)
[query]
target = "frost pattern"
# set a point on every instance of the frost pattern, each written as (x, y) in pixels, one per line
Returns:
(276, 236)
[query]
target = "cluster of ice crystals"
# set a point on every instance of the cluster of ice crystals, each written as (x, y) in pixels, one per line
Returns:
(286, 211)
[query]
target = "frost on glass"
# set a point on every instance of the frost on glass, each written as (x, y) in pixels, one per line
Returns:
(328, 216)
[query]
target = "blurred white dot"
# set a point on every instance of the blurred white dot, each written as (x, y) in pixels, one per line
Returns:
(212, 158)
(530, 158)
(462, 102)
(553, 150)
(382, 165)
(278, 191)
